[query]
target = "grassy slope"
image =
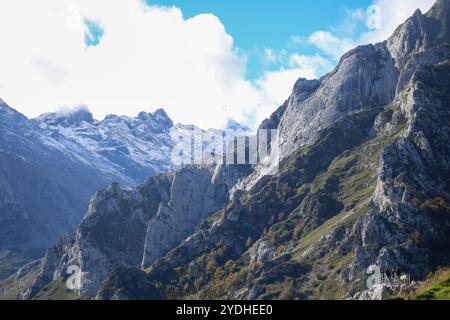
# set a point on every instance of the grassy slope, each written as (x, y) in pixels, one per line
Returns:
(57, 290)
(436, 287)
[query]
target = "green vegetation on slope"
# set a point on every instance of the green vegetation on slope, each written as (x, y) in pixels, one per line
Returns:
(436, 287)
(57, 290)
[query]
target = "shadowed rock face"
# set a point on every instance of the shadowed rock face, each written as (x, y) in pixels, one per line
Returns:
(124, 149)
(128, 284)
(37, 183)
(364, 179)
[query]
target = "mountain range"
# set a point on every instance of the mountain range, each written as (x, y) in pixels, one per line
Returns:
(53, 164)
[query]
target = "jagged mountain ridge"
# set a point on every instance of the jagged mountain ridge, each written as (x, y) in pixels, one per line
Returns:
(364, 179)
(123, 148)
(53, 164)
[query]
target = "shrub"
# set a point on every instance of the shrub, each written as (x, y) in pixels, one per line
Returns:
(237, 278)
(287, 290)
(416, 237)
(211, 266)
(198, 282)
(436, 287)
(297, 232)
(435, 206)
(230, 265)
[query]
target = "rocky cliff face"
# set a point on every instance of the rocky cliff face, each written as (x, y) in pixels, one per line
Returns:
(195, 194)
(364, 179)
(365, 77)
(409, 227)
(133, 228)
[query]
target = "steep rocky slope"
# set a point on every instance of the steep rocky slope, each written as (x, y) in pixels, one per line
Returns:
(138, 226)
(364, 179)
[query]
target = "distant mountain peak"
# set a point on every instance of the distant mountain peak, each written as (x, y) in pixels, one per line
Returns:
(68, 117)
(160, 112)
(4, 105)
(158, 115)
(9, 113)
(418, 12)
(234, 125)
(77, 110)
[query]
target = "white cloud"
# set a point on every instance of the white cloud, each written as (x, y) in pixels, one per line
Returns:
(362, 26)
(386, 15)
(276, 86)
(152, 57)
(331, 45)
(148, 57)
(270, 55)
(310, 67)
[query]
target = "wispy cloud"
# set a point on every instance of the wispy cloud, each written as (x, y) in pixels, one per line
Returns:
(364, 25)
(330, 44)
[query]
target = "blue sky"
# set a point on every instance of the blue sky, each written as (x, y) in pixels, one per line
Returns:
(258, 24)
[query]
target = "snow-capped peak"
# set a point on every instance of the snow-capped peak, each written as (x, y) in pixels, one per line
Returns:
(234, 125)
(159, 116)
(67, 117)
